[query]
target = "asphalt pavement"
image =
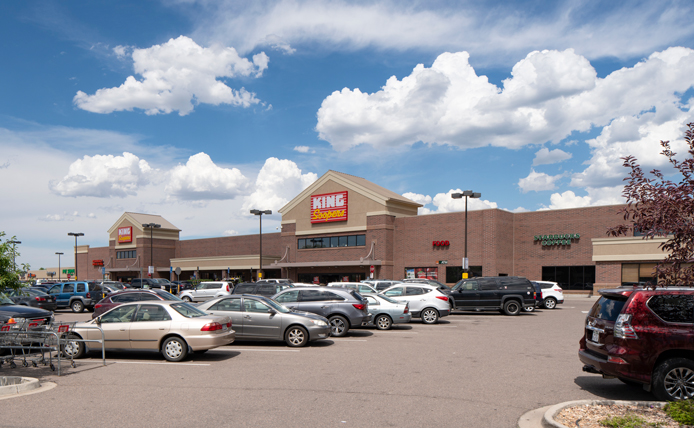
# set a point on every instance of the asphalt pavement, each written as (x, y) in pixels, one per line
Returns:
(474, 369)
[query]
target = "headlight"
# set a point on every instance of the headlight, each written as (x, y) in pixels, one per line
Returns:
(320, 323)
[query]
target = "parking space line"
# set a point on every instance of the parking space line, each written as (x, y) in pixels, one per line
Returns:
(166, 364)
(263, 350)
(351, 340)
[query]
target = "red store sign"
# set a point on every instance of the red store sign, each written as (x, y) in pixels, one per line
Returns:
(441, 243)
(329, 207)
(125, 234)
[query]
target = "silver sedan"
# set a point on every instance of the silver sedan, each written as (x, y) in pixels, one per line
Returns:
(258, 317)
(386, 311)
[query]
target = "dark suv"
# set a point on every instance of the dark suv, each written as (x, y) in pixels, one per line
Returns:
(267, 289)
(507, 294)
(643, 337)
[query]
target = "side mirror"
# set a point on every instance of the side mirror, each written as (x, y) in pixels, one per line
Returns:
(272, 311)
(98, 320)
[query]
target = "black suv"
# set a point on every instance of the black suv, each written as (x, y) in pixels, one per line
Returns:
(260, 288)
(162, 283)
(507, 294)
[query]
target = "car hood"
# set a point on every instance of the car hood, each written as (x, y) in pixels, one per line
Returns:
(308, 315)
(18, 311)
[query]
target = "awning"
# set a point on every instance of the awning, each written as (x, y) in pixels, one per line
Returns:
(328, 264)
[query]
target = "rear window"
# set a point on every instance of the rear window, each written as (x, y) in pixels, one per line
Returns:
(241, 289)
(607, 308)
(677, 308)
(187, 310)
(165, 295)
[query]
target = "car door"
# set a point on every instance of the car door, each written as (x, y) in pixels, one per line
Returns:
(490, 295)
(290, 299)
(151, 323)
(314, 301)
(230, 307)
(259, 320)
(466, 295)
(198, 295)
(415, 296)
(63, 296)
(116, 326)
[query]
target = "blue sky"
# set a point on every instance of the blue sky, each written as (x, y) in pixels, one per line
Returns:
(201, 110)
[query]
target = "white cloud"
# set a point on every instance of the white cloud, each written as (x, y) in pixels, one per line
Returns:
(622, 30)
(416, 197)
(545, 156)
(230, 232)
(201, 179)
(121, 51)
(176, 75)
(550, 95)
(277, 181)
(104, 176)
(538, 181)
(303, 149)
(568, 199)
(444, 202)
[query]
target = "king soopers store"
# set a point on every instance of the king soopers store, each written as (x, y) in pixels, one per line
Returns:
(346, 228)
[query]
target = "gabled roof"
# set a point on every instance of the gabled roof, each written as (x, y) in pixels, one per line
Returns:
(138, 219)
(360, 185)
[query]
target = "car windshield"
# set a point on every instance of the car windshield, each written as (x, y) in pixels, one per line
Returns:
(168, 296)
(187, 310)
(276, 306)
(387, 299)
(160, 281)
(4, 300)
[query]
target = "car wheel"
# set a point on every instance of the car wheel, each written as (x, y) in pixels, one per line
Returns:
(550, 303)
(528, 308)
(673, 380)
(512, 307)
(73, 349)
(296, 336)
(77, 306)
(187, 299)
(383, 322)
(338, 326)
(430, 316)
(174, 349)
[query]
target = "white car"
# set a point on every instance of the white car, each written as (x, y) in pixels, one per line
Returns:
(425, 301)
(207, 290)
(552, 294)
(359, 287)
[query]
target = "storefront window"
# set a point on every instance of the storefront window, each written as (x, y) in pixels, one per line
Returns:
(342, 241)
(126, 254)
(332, 242)
(422, 273)
(570, 277)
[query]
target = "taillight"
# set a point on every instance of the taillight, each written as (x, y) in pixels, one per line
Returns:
(407, 310)
(227, 287)
(444, 298)
(615, 360)
(213, 326)
(359, 306)
(229, 324)
(89, 296)
(97, 306)
(559, 289)
(40, 299)
(623, 328)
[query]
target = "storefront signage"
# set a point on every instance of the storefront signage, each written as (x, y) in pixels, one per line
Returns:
(329, 207)
(560, 239)
(125, 234)
(97, 262)
(441, 243)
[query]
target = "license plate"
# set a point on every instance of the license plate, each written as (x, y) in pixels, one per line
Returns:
(596, 336)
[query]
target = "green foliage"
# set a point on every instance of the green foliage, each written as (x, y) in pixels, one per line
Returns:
(9, 276)
(626, 421)
(681, 411)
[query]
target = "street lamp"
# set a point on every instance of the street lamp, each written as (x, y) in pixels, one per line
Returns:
(151, 227)
(75, 234)
(59, 254)
(14, 253)
(260, 216)
(466, 194)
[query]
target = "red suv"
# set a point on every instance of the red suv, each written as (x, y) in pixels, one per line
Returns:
(643, 337)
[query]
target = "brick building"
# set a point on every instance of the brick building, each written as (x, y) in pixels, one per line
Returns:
(341, 227)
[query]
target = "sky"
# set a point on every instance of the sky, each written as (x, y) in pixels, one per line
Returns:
(200, 110)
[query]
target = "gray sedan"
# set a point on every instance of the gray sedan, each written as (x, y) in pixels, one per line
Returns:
(385, 311)
(258, 317)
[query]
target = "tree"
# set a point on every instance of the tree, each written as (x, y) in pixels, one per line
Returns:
(657, 207)
(9, 275)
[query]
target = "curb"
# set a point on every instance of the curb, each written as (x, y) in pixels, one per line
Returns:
(544, 416)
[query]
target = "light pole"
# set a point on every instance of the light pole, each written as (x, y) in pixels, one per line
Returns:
(467, 194)
(14, 253)
(260, 216)
(75, 234)
(59, 254)
(151, 227)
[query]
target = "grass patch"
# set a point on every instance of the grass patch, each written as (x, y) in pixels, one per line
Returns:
(681, 411)
(627, 421)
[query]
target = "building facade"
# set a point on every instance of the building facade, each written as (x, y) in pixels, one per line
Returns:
(344, 227)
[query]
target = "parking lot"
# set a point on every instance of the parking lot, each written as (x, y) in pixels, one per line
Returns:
(479, 369)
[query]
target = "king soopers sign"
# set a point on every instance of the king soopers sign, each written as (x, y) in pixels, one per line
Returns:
(329, 207)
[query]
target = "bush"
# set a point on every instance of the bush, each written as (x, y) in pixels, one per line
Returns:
(681, 411)
(626, 421)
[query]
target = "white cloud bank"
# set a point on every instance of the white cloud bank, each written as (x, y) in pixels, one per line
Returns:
(444, 202)
(538, 181)
(201, 179)
(104, 176)
(277, 180)
(549, 95)
(545, 156)
(176, 75)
